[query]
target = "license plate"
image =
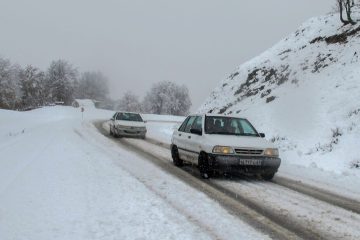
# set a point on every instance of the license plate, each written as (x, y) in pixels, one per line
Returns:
(250, 162)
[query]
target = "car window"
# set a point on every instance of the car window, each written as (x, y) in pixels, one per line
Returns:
(247, 128)
(229, 126)
(129, 117)
(197, 123)
(189, 124)
(114, 116)
(183, 125)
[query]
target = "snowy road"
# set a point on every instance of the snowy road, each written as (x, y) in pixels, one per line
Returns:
(62, 179)
(301, 213)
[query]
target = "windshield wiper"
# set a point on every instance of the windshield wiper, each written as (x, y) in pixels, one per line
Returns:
(247, 134)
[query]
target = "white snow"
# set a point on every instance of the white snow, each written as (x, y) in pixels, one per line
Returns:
(315, 117)
(62, 179)
(294, 207)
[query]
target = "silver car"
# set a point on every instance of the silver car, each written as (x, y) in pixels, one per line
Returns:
(127, 124)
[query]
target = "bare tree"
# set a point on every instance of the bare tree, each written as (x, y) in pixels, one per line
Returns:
(8, 84)
(129, 102)
(346, 5)
(60, 78)
(167, 98)
(32, 85)
(92, 85)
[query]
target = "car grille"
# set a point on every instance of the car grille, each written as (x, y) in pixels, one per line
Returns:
(244, 151)
(133, 128)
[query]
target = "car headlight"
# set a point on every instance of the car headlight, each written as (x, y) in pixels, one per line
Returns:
(223, 150)
(271, 152)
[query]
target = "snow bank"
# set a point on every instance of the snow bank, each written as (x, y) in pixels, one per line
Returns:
(304, 94)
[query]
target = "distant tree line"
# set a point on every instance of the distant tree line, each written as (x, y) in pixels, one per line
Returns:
(30, 87)
(163, 98)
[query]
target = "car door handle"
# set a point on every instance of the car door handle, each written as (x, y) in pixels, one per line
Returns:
(179, 134)
(189, 137)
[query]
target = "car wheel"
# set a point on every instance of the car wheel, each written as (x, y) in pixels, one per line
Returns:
(175, 156)
(267, 176)
(115, 135)
(203, 164)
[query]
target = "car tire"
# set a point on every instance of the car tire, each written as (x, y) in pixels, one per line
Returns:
(267, 176)
(115, 135)
(175, 157)
(203, 164)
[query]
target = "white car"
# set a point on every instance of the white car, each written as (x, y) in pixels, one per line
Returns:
(127, 124)
(225, 143)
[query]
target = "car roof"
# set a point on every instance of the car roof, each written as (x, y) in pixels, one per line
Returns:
(217, 115)
(127, 112)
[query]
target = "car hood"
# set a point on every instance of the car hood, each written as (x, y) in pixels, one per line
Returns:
(130, 123)
(238, 141)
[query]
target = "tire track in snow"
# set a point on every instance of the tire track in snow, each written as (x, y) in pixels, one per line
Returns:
(188, 215)
(308, 227)
(231, 204)
(315, 192)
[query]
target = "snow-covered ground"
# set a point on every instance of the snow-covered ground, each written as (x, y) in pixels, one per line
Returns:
(62, 179)
(304, 94)
(345, 183)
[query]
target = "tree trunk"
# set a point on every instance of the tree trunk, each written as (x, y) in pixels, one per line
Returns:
(341, 12)
(348, 5)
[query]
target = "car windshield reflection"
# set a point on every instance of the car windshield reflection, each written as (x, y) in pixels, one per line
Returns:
(229, 126)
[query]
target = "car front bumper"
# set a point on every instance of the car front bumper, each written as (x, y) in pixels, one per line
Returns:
(130, 132)
(244, 164)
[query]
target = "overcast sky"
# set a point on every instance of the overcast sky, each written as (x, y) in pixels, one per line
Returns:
(137, 43)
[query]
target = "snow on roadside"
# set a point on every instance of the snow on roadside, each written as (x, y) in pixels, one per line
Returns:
(61, 179)
(304, 94)
(347, 183)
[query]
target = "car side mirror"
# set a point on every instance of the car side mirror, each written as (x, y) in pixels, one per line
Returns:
(196, 131)
(145, 121)
(262, 135)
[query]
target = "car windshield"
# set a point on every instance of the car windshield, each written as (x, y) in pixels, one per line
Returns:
(229, 126)
(129, 117)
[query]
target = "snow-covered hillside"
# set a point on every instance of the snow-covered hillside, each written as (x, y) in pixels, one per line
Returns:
(304, 93)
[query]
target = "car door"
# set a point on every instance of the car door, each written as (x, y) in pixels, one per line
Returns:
(112, 120)
(193, 143)
(183, 137)
(178, 135)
